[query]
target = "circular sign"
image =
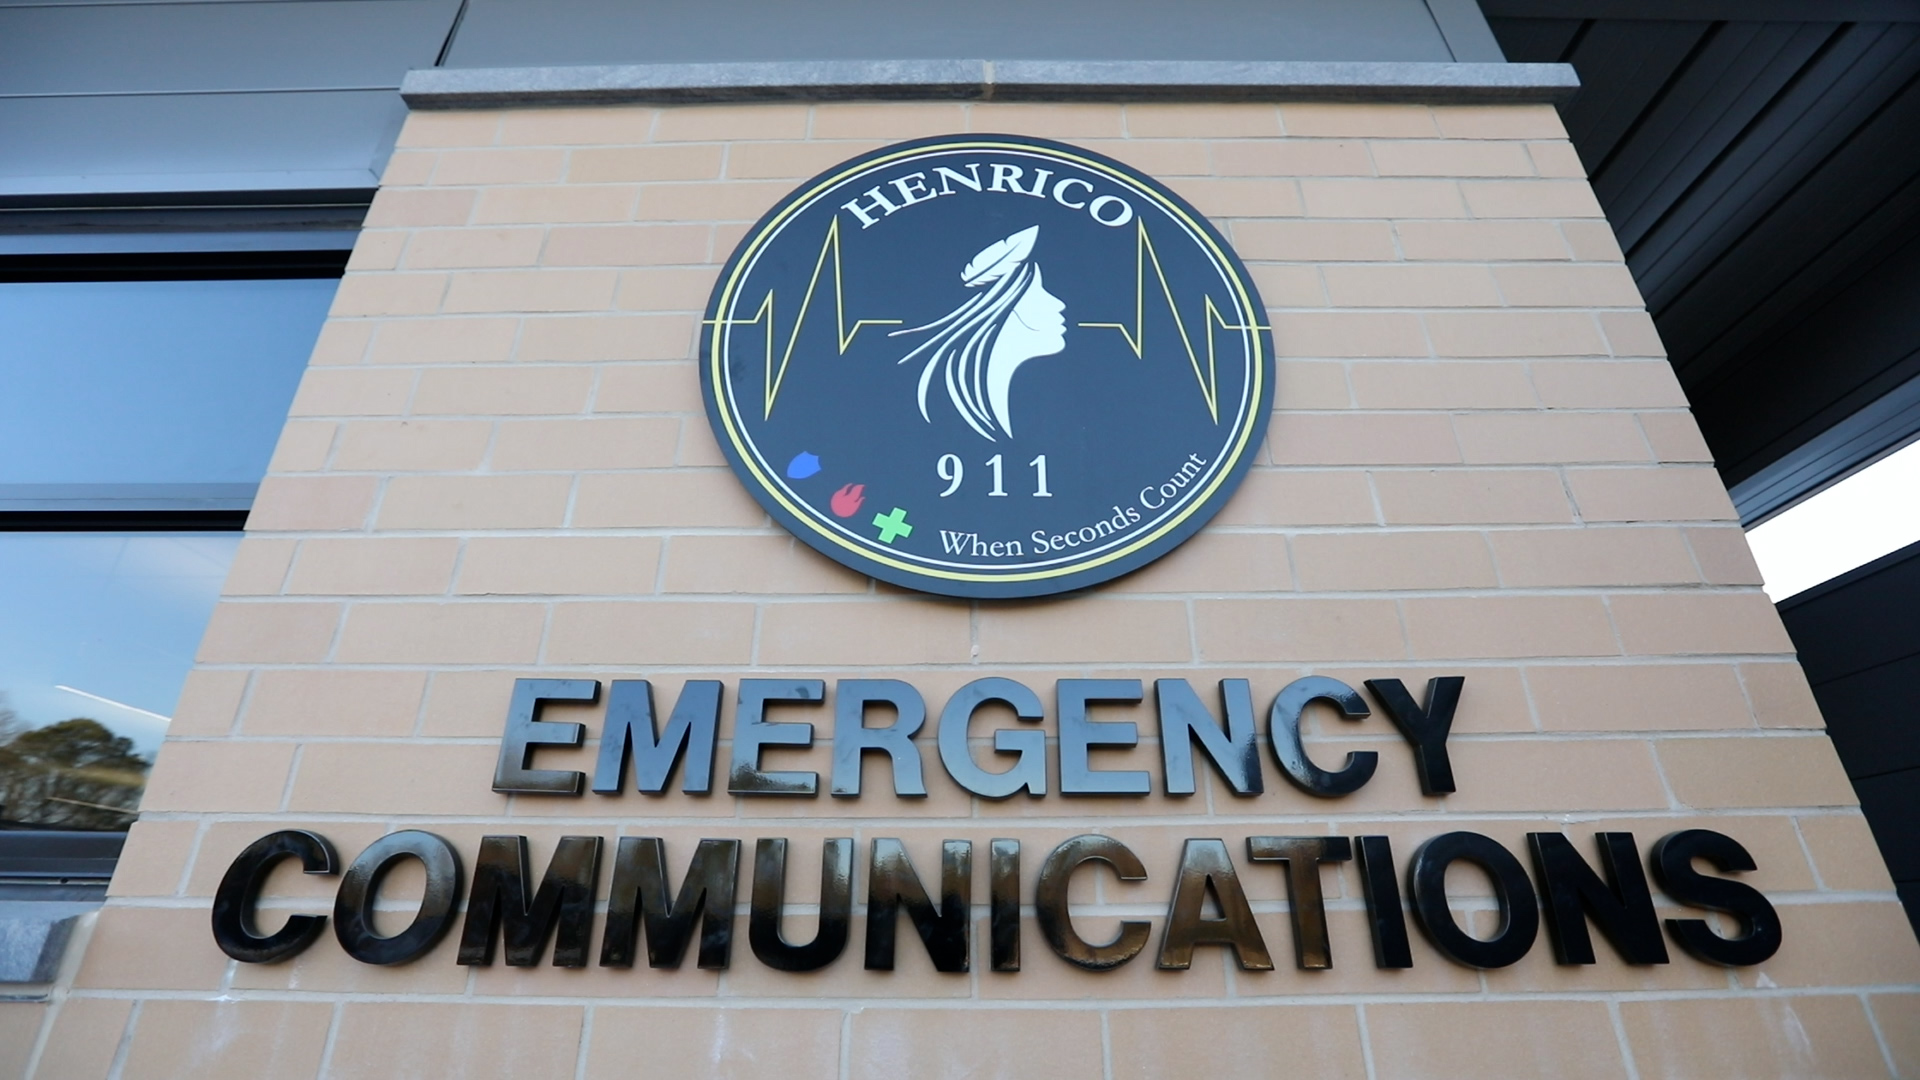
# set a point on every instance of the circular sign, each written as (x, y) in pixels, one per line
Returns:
(987, 365)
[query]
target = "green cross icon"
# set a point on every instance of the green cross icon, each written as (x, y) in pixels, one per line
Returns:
(892, 525)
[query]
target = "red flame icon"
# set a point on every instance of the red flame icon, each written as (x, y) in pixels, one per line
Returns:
(846, 502)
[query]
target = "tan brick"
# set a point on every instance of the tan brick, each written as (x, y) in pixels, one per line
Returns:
(1675, 437)
(334, 702)
(1723, 555)
(388, 294)
(151, 949)
(1514, 333)
(154, 858)
(1382, 199)
(627, 245)
(467, 703)
(649, 388)
(1845, 852)
(1289, 286)
(379, 1040)
(1202, 121)
(444, 341)
(532, 291)
(556, 205)
(1428, 157)
(19, 1030)
(503, 391)
(1568, 286)
(259, 567)
(1898, 1016)
(1355, 438)
(209, 702)
(1297, 630)
(1774, 1037)
(1157, 157)
(730, 1044)
(1676, 624)
(341, 342)
(477, 128)
(1430, 384)
(377, 250)
(1669, 493)
(499, 166)
(665, 290)
(1607, 384)
(878, 633)
(218, 777)
(418, 208)
(586, 444)
(1216, 562)
(86, 1035)
(753, 564)
(268, 633)
(899, 120)
(560, 566)
(1492, 241)
(1358, 121)
(1631, 333)
(1314, 241)
(1300, 497)
(1592, 241)
(1549, 438)
(1472, 497)
(582, 126)
(1558, 558)
(228, 1039)
(1048, 120)
(347, 392)
(1573, 1040)
(1639, 697)
(1410, 286)
(1240, 198)
(303, 447)
(1342, 333)
(1727, 773)
(461, 249)
(412, 445)
(1141, 631)
(475, 502)
(614, 337)
(645, 163)
(1499, 122)
(1292, 157)
(1304, 384)
(730, 123)
(1063, 1044)
(1358, 561)
(695, 498)
(464, 633)
(1780, 695)
(1508, 626)
(1864, 944)
(408, 168)
(789, 160)
(1557, 159)
(651, 633)
(1236, 1044)
(1562, 776)
(1530, 199)
(736, 200)
(396, 778)
(364, 566)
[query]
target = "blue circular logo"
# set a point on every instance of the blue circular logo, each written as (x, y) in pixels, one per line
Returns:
(987, 366)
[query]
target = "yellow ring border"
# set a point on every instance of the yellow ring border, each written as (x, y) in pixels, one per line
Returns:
(745, 253)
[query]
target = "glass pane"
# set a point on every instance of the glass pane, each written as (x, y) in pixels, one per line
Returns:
(151, 382)
(97, 631)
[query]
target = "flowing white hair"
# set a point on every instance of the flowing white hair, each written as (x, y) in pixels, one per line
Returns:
(962, 340)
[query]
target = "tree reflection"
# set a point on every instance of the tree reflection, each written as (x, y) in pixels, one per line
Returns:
(76, 774)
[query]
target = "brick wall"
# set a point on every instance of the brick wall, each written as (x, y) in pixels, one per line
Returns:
(498, 465)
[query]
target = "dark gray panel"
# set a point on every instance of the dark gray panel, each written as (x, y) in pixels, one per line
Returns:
(1860, 620)
(1756, 10)
(512, 33)
(1630, 63)
(1536, 41)
(1892, 806)
(1889, 422)
(1465, 29)
(1873, 718)
(320, 44)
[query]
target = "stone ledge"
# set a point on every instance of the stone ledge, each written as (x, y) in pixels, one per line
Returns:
(988, 80)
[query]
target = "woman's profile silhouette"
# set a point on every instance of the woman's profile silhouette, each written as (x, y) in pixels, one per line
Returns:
(980, 344)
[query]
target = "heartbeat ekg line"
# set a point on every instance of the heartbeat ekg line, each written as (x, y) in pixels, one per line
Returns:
(1136, 336)
(843, 333)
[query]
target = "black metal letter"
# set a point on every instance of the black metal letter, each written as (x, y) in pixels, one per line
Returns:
(1003, 912)
(852, 736)
(1078, 736)
(1283, 731)
(1029, 771)
(692, 731)
(1425, 728)
(892, 883)
(1305, 901)
(1050, 903)
(526, 731)
(1519, 909)
(1673, 868)
(1205, 865)
(1385, 918)
(769, 894)
(1184, 720)
(499, 899)
(1622, 905)
(640, 894)
(752, 731)
(240, 887)
(353, 904)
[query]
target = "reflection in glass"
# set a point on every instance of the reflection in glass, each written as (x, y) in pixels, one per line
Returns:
(97, 632)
